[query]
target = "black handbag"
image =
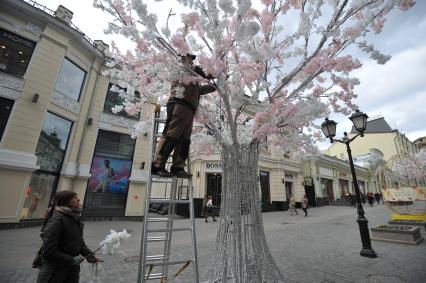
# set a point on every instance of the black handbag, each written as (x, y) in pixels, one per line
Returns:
(38, 259)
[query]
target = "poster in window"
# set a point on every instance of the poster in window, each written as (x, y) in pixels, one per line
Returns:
(110, 175)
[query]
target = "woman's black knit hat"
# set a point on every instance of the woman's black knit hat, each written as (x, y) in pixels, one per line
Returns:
(63, 197)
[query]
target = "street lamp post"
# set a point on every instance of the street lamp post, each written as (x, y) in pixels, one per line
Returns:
(359, 120)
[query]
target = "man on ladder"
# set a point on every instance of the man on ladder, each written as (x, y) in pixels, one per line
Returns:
(181, 108)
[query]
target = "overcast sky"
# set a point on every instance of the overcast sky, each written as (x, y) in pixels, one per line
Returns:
(396, 90)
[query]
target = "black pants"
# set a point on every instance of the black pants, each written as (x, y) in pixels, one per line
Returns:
(209, 211)
(58, 274)
(305, 210)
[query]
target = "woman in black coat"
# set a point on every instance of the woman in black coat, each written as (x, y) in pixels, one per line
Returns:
(63, 247)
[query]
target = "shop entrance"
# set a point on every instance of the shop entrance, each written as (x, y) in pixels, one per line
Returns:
(214, 187)
(327, 188)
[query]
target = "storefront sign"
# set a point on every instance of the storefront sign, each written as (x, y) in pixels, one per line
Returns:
(213, 167)
(404, 194)
(325, 171)
(16, 38)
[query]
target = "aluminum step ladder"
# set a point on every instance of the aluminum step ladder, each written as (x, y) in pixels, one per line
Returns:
(156, 253)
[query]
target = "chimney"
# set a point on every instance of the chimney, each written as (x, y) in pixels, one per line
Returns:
(101, 45)
(63, 14)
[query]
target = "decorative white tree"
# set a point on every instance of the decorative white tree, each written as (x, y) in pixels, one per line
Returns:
(279, 65)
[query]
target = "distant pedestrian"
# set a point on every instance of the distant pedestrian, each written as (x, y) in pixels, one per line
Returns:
(304, 203)
(377, 197)
(292, 205)
(362, 198)
(209, 209)
(63, 247)
(352, 199)
(370, 198)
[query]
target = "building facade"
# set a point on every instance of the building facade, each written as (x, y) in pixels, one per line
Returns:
(328, 180)
(378, 135)
(57, 131)
(278, 178)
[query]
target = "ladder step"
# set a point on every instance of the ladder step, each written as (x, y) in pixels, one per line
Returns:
(160, 120)
(162, 180)
(156, 239)
(155, 276)
(169, 262)
(159, 219)
(162, 200)
(155, 257)
(168, 230)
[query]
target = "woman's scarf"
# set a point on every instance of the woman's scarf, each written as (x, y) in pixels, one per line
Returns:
(76, 213)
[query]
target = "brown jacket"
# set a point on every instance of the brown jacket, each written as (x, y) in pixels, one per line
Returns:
(192, 92)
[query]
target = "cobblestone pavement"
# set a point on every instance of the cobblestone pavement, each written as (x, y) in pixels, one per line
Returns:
(323, 247)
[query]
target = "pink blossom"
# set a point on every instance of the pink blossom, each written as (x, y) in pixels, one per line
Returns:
(131, 109)
(178, 41)
(296, 4)
(404, 5)
(267, 2)
(206, 63)
(378, 24)
(266, 19)
(351, 32)
(251, 13)
(191, 19)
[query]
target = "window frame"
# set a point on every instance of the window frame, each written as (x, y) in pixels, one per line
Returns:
(82, 83)
(66, 144)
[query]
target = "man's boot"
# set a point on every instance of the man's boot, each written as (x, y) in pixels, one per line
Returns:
(179, 157)
(163, 153)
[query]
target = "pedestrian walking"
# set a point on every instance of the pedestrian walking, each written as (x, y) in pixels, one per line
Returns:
(377, 197)
(304, 203)
(352, 199)
(292, 204)
(181, 108)
(370, 198)
(63, 247)
(209, 209)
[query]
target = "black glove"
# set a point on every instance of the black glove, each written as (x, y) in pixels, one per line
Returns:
(77, 260)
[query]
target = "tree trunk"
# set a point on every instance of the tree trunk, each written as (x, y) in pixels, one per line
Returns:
(242, 254)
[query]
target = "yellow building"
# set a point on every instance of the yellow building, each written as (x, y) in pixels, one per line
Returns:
(328, 180)
(57, 131)
(379, 136)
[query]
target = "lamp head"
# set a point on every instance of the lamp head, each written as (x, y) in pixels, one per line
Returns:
(329, 129)
(359, 120)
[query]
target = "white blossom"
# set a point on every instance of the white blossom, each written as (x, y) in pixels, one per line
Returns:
(112, 241)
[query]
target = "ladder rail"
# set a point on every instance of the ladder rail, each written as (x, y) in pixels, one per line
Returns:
(144, 236)
(170, 224)
(192, 219)
(172, 195)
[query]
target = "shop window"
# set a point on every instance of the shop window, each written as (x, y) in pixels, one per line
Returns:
(5, 109)
(70, 80)
(15, 53)
(50, 152)
(51, 146)
(110, 172)
(113, 98)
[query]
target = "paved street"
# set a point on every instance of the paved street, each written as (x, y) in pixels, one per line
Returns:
(323, 247)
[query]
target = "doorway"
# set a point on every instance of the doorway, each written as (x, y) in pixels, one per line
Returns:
(214, 187)
(327, 188)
